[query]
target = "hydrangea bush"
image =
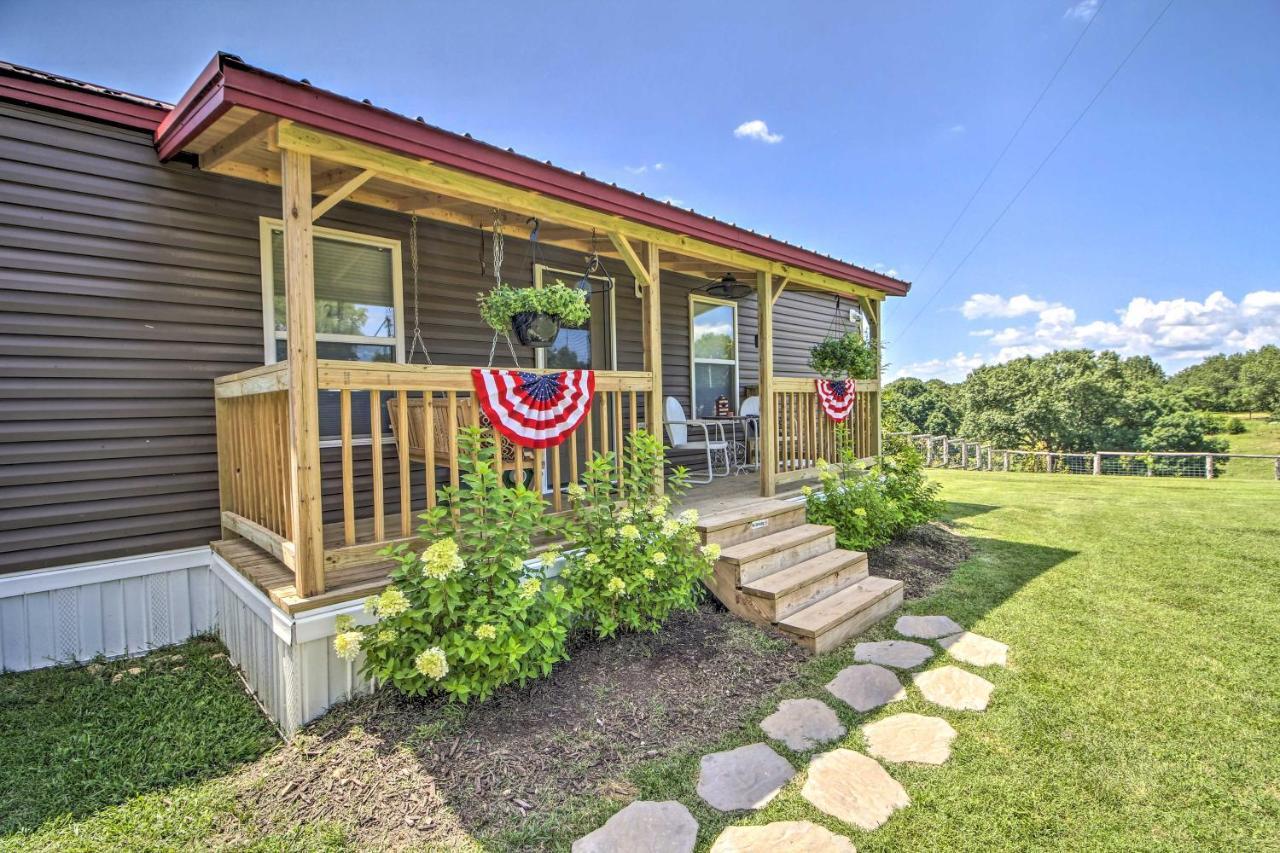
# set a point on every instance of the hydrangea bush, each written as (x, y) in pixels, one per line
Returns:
(631, 562)
(465, 615)
(870, 506)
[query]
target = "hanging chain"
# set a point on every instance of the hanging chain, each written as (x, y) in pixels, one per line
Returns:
(417, 323)
(498, 252)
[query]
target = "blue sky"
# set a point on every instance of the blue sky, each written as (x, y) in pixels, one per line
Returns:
(1154, 229)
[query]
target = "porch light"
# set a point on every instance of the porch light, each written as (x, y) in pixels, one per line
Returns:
(729, 287)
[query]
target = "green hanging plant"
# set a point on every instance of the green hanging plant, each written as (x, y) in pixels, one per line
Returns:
(567, 304)
(849, 356)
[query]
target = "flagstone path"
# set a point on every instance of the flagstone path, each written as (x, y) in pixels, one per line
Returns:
(843, 783)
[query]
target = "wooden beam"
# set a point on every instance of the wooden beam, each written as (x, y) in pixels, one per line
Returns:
(768, 449)
(332, 199)
(323, 183)
(432, 177)
(237, 140)
(874, 320)
(629, 257)
(304, 414)
(652, 335)
(777, 291)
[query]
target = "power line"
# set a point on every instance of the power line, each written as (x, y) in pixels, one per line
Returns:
(1003, 151)
(1033, 175)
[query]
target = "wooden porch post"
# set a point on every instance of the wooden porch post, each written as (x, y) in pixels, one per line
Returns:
(653, 343)
(874, 320)
(304, 415)
(767, 450)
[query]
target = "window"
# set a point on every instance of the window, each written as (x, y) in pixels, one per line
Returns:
(358, 299)
(587, 347)
(359, 311)
(714, 343)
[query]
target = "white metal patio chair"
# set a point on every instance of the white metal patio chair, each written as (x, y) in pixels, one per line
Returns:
(678, 431)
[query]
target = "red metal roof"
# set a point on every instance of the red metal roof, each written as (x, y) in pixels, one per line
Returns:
(227, 82)
(51, 91)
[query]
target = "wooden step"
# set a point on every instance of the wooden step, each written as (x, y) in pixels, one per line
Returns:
(828, 622)
(759, 557)
(751, 521)
(787, 590)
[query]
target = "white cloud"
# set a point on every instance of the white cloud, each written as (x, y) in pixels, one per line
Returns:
(756, 129)
(994, 305)
(672, 200)
(1175, 332)
(951, 369)
(956, 128)
(658, 167)
(645, 167)
(1082, 11)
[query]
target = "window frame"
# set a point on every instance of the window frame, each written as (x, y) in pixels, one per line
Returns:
(266, 225)
(540, 357)
(694, 360)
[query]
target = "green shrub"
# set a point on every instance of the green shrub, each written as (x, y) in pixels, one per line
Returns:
(632, 564)
(499, 305)
(849, 356)
(868, 507)
(465, 616)
(1235, 426)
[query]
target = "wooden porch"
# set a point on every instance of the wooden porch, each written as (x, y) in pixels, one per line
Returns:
(304, 518)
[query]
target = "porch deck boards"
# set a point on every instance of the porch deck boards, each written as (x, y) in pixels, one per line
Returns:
(368, 578)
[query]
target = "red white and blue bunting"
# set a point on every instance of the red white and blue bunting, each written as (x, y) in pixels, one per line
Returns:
(536, 410)
(837, 397)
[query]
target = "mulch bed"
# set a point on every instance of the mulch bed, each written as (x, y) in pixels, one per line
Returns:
(922, 558)
(413, 771)
(409, 772)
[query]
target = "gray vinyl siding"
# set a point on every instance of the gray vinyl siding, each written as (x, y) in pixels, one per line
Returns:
(127, 286)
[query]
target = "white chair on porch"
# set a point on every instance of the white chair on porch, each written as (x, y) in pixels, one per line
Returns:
(678, 431)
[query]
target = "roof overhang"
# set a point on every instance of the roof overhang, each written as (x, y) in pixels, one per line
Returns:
(74, 97)
(227, 82)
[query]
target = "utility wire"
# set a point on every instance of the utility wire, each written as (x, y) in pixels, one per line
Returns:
(1003, 151)
(1033, 175)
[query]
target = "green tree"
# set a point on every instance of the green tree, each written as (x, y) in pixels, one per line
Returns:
(1259, 383)
(915, 406)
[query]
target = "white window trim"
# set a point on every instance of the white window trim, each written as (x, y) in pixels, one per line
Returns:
(266, 225)
(540, 357)
(695, 360)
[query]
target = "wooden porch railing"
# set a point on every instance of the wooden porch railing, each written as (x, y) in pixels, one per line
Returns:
(252, 412)
(805, 434)
(377, 479)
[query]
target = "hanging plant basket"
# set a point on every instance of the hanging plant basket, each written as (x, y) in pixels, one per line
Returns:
(535, 329)
(534, 314)
(849, 356)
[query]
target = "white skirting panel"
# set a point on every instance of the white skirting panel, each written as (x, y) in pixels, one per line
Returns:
(288, 663)
(114, 608)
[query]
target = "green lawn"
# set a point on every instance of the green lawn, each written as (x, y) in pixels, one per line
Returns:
(1141, 709)
(1260, 436)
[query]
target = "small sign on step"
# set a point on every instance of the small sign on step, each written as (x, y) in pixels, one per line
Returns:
(759, 523)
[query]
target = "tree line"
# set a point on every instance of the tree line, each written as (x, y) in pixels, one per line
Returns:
(1084, 401)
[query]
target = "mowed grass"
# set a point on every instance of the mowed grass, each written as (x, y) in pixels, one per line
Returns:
(1141, 709)
(1260, 436)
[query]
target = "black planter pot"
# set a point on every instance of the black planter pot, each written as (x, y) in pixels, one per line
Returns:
(534, 329)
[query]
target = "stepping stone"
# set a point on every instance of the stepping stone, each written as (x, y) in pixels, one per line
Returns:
(802, 724)
(901, 654)
(975, 649)
(866, 686)
(744, 778)
(853, 788)
(910, 737)
(782, 836)
(926, 627)
(641, 827)
(952, 687)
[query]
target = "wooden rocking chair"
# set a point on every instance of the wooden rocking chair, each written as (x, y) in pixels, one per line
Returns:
(415, 441)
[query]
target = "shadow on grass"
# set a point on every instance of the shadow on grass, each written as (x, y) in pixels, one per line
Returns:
(957, 510)
(77, 740)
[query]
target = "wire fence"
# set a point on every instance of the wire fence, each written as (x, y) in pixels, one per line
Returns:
(944, 451)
